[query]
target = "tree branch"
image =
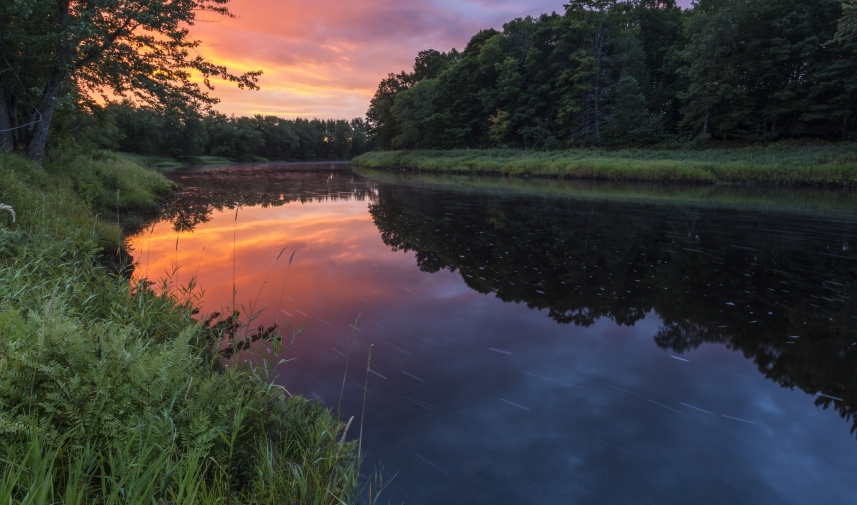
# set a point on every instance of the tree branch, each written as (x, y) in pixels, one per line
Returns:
(28, 124)
(107, 43)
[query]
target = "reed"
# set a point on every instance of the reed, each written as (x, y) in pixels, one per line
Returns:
(363, 409)
(345, 372)
(833, 164)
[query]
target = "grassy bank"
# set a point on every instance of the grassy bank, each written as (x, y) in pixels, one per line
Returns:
(168, 164)
(775, 164)
(114, 392)
(822, 201)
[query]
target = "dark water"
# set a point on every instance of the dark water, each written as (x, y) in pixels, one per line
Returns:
(544, 342)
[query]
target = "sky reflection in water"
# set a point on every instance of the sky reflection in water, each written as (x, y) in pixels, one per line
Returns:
(506, 372)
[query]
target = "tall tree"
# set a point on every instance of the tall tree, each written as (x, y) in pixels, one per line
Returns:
(593, 114)
(716, 101)
(430, 63)
(631, 122)
(768, 68)
(382, 121)
(660, 31)
(413, 109)
(848, 23)
(132, 48)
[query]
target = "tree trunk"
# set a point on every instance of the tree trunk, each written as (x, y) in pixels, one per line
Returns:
(705, 122)
(36, 146)
(7, 136)
(39, 137)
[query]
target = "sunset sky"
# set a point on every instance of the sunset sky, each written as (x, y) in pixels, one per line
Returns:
(324, 58)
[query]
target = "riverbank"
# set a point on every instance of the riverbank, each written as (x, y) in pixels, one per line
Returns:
(117, 391)
(818, 200)
(834, 164)
(166, 164)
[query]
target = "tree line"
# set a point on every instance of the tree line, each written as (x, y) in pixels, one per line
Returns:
(62, 55)
(61, 61)
(609, 72)
(181, 133)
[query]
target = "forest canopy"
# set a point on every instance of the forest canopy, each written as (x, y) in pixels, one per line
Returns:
(608, 72)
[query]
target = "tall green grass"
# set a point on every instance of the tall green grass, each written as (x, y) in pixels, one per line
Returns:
(168, 164)
(782, 199)
(79, 196)
(116, 392)
(834, 164)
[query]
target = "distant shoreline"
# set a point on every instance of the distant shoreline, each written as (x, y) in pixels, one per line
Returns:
(827, 165)
(239, 168)
(782, 199)
(167, 164)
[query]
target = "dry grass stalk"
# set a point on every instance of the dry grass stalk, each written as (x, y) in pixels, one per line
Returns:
(344, 433)
(8, 209)
(363, 410)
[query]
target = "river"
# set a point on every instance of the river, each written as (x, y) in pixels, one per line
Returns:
(543, 341)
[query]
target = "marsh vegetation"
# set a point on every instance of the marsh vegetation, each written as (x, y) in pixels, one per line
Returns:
(776, 164)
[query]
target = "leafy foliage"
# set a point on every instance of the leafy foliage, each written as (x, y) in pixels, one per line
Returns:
(68, 51)
(848, 24)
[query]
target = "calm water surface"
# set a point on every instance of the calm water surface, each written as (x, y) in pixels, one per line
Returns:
(546, 342)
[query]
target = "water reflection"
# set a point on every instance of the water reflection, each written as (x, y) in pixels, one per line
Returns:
(208, 194)
(780, 288)
(513, 338)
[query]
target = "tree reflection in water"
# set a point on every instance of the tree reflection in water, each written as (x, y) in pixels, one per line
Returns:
(204, 195)
(750, 281)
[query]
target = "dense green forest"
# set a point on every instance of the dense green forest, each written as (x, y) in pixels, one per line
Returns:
(185, 133)
(608, 72)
